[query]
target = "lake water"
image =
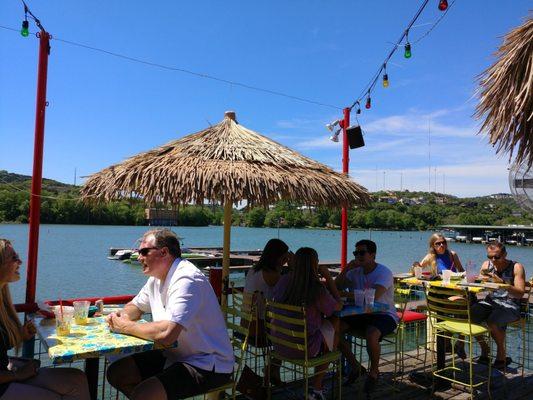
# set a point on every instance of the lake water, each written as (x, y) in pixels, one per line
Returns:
(73, 263)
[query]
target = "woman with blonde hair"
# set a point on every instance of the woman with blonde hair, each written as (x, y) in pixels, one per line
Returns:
(439, 257)
(22, 378)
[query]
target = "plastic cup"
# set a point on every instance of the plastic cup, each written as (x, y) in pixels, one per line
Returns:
(369, 297)
(64, 317)
(446, 276)
(81, 311)
(418, 272)
(359, 297)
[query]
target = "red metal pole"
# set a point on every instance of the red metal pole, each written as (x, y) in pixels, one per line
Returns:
(36, 181)
(345, 168)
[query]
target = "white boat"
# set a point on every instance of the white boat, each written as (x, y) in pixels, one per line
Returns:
(477, 239)
(449, 239)
(460, 238)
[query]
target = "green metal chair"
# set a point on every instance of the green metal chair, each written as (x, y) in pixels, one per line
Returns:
(287, 328)
(238, 325)
(450, 318)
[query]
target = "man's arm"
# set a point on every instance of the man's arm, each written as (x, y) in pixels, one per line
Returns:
(340, 280)
(380, 290)
(519, 287)
(164, 332)
(131, 311)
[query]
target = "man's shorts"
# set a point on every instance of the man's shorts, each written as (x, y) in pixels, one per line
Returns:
(493, 313)
(386, 324)
(180, 380)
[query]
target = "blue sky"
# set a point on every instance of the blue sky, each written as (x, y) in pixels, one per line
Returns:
(104, 109)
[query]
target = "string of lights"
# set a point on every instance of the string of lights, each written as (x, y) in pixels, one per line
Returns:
(443, 6)
(404, 42)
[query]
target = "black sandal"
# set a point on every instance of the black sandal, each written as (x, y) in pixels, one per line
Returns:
(501, 364)
(483, 360)
(354, 375)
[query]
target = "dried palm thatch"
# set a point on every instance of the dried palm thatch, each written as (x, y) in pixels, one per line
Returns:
(506, 98)
(224, 162)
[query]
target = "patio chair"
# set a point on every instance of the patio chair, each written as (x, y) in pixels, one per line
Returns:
(238, 325)
(520, 326)
(287, 328)
(449, 313)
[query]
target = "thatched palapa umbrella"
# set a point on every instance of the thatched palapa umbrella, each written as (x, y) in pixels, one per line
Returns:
(224, 163)
(506, 96)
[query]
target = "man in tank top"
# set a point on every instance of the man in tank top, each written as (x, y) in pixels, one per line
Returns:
(501, 306)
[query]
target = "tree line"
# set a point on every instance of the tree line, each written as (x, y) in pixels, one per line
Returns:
(60, 205)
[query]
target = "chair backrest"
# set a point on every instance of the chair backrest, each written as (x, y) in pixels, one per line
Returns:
(524, 301)
(402, 297)
(443, 308)
(287, 328)
(239, 317)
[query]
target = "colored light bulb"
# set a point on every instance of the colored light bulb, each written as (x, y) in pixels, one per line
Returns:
(443, 5)
(25, 28)
(385, 80)
(368, 103)
(407, 53)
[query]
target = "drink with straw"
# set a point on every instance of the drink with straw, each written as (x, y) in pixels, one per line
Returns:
(64, 315)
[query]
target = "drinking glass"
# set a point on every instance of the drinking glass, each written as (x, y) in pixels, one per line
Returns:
(446, 276)
(359, 297)
(81, 311)
(369, 297)
(64, 317)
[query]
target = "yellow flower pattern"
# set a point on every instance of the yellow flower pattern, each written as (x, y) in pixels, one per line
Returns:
(87, 341)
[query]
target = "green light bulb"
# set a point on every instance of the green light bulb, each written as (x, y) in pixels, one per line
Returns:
(25, 29)
(407, 53)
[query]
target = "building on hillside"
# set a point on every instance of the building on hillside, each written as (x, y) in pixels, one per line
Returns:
(441, 200)
(500, 196)
(161, 217)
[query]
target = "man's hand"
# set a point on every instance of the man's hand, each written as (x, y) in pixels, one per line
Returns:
(118, 322)
(28, 330)
(324, 270)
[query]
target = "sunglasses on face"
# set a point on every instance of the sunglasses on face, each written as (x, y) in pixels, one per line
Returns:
(495, 258)
(359, 253)
(439, 244)
(144, 252)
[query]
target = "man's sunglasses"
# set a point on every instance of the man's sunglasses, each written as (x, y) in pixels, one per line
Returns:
(144, 252)
(359, 253)
(494, 257)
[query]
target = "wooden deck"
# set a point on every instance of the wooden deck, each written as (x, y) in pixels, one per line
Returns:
(509, 387)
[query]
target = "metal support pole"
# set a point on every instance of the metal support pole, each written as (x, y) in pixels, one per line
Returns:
(36, 182)
(228, 209)
(345, 168)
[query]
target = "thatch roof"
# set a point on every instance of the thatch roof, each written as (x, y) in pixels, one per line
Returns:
(506, 96)
(224, 161)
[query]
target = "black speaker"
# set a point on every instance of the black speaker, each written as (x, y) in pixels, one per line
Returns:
(355, 137)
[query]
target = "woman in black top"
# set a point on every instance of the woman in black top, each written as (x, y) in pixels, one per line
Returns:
(21, 379)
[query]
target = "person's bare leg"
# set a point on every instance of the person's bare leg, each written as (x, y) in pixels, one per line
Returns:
(498, 335)
(345, 348)
(67, 383)
(149, 389)
(124, 375)
(374, 349)
(319, 377)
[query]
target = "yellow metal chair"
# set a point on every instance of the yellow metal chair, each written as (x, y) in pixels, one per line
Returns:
(521, 324)
(238, 325)
(449, 313)
(287, 328)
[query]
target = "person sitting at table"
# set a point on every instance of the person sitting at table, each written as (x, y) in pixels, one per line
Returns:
(261, 280)
(440, 257)
(365, 273)
(184, 308)
(22, 378)
(303, 286)
(501, 306)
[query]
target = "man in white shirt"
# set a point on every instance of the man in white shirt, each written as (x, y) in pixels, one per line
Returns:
(184, 308)
(365, 273)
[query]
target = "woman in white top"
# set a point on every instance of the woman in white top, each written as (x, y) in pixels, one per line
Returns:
(260, 281)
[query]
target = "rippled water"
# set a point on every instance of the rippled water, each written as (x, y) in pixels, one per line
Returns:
(72, 258)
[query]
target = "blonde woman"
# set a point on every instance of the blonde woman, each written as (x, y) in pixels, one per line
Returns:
(19, 378)
(439, 257)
